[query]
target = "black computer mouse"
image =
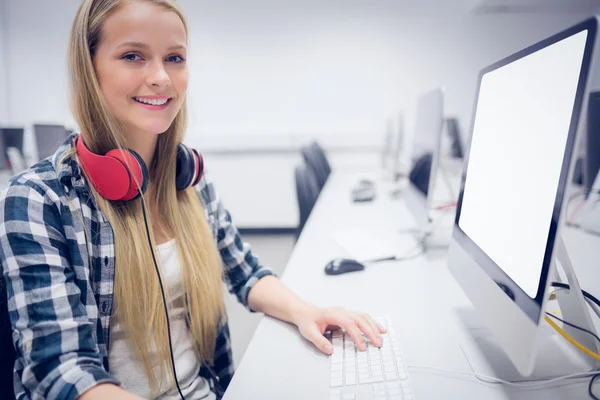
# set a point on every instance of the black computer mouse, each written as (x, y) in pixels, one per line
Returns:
(342, 265)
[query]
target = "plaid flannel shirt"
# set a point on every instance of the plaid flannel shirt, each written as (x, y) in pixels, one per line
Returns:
(60, 286)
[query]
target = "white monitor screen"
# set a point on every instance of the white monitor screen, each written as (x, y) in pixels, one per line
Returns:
(518, 144)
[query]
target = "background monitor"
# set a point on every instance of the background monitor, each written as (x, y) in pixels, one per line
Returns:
(592, 154)
(524, 126)
(425, 155)
(48, 138)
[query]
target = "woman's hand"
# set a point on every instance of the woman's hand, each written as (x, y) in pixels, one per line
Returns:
(313, 322)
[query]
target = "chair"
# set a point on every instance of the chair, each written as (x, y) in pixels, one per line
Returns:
(7, 350)
(315, 158)
(13, 137)
(16, 161)
(48, 138)
(307, 192)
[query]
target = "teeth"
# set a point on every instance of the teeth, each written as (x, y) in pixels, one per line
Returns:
(151, 102)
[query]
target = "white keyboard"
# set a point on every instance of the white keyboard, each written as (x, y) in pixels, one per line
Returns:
(378, 373)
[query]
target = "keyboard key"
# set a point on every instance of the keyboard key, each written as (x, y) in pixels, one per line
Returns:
(392, 385)
(350, 380)
(336, 367)
(349, 396)
(335, 382)
(391, 377)
(335, 397)
(336, 374)
(394, 391)
(335, 391)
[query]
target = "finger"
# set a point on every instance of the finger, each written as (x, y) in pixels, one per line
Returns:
(351, 327)
(341, 320)
(379, 328)
(373, 333)
(314, 336)
(368, 329)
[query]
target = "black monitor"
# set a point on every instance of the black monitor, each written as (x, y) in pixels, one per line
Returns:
(592, 152)
(453, 130)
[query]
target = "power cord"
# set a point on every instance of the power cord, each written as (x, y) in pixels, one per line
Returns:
(574, 326)
(567, 287)
(541, 384)
(571, 340)
(523, 385)
(590, 391)
(162, 291)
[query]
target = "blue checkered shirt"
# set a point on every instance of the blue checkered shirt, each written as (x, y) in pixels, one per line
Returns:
(60, 286)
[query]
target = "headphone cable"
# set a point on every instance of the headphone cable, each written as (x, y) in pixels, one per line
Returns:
(162, 291)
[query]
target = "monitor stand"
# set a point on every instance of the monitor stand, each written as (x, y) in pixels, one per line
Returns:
(555, 356)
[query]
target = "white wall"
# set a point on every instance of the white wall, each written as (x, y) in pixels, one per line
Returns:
(3, 70)
(334, 70)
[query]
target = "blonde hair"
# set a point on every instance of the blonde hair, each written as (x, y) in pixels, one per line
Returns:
(138, 302)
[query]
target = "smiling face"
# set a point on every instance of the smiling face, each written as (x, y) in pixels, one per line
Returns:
(141, 67)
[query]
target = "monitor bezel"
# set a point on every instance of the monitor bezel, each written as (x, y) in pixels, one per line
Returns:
(532, 307)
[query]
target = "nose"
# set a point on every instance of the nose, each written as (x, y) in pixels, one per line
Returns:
(157, 76)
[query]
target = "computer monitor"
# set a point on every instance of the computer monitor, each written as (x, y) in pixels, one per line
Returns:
(453, 130)
(592, 153)
(48, 138)
(506, 240)
(425, 156)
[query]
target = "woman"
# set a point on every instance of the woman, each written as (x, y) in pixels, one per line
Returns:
(84, 290)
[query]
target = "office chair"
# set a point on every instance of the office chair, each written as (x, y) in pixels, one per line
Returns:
(307, 192)
(13, 137)
(15, 159)
(315, 158)
(48, 138)
(7, 361)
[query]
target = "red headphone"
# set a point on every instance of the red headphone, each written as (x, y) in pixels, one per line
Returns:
(110, 176)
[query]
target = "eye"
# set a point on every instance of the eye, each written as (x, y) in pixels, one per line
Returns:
(131, 57)
(177, 59)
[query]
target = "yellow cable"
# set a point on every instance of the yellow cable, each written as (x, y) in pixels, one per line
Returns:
(571, 340)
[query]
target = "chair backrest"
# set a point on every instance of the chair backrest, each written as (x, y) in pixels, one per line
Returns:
(318, 150)
(13, 137)
(7, 361)
(307, 193)
(315, 158)
(17, 163)
(48, 138)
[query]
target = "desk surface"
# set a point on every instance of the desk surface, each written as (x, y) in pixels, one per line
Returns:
(428, 308)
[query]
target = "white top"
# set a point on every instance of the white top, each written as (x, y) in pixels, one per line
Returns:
(128, 369)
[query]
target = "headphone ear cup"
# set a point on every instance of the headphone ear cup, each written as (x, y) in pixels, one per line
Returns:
(145, 174)
(185, 170)
(136, 168)
(199, 164)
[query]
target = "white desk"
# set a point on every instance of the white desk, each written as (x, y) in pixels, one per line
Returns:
(423, 299)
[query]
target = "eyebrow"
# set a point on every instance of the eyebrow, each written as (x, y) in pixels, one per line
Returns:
(145, 46)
